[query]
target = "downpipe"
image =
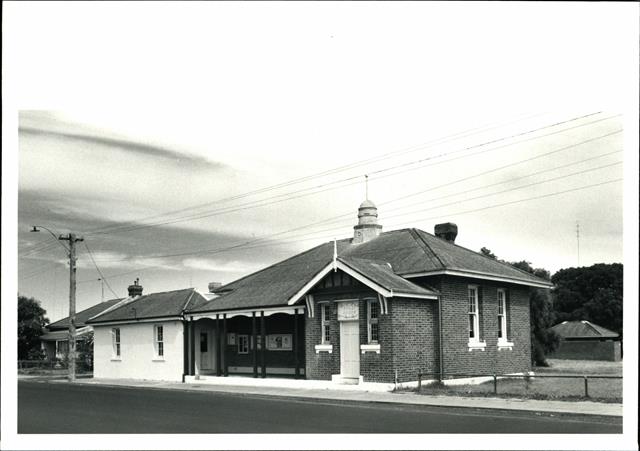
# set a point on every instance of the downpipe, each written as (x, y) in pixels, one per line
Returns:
(440, 345)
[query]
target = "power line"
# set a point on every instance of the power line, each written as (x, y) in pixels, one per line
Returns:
(578, 239)
(338, 169)
(356, 179)
(112, 276)
(526, 160)
(244, 244)
(421, 219)
(475, 198)
(262, 239)
(344, 215)
(457, 213)
(525, 200)
(50, 245)
(511, 189)
(39, 248)
(98, 269)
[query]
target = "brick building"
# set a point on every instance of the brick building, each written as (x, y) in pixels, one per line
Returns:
(584, 340)
(376, 307)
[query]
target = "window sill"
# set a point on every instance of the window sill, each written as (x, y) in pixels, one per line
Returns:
(324, 348)
(505, 345)
(370, 348)
(477, 345)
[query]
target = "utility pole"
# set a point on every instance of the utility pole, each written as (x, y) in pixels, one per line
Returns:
(101, 288)
(578, 238)
(71, 237)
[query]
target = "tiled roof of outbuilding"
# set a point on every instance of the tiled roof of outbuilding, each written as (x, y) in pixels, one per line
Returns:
(582, 329)
(83, 316)
(154, 305)
(408, 251)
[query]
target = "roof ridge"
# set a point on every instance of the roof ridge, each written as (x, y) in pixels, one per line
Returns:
(487, 257)
(193, 290)
(116, 306)
(166, 291)
(136, 300)
(66, 318)
(416, 236)
(596, 329)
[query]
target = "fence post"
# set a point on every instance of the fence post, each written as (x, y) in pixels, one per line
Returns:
(495, 384)
(586, 387)
(419, 382)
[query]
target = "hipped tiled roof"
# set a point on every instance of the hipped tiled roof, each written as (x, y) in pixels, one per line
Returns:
(57, 335)
(385, 259)
(83, 316)
(582, 329)
(154, 305)
(412, 251)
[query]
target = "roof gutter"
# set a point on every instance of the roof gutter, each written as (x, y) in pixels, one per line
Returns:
(479, 275)
(137, 320)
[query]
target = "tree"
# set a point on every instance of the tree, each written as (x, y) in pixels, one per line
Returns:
(488, 253)
(31, 321)
(543, 340)
(85, 352)
(591, 293)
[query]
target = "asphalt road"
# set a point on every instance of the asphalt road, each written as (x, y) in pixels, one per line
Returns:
(46, 407)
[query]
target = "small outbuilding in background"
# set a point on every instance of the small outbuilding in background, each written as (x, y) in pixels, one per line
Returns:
(583, 340)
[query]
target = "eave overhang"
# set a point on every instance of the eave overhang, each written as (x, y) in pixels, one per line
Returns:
(478, 275)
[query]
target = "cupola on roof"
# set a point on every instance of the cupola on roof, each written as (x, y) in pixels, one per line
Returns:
(367, 227)
(367, 204)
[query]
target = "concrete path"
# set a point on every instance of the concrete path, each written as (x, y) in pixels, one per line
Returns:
(355, 393)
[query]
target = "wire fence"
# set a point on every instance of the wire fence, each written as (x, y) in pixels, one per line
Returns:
(25, 366)
(570, 385)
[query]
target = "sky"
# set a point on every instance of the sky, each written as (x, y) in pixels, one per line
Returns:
(180, 173)
(192, 142)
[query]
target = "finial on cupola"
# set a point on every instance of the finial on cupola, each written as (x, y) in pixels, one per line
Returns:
(368, 227)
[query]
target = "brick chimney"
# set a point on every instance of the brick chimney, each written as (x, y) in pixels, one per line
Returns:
(135, 289)
(213, 286)
(447, 231)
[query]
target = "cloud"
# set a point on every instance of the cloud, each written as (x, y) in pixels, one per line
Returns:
(144, 149)
(219, 265)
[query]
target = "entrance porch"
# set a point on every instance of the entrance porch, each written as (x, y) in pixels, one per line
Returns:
(260, 343)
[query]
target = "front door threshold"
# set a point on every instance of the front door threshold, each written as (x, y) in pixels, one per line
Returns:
(347, 380)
